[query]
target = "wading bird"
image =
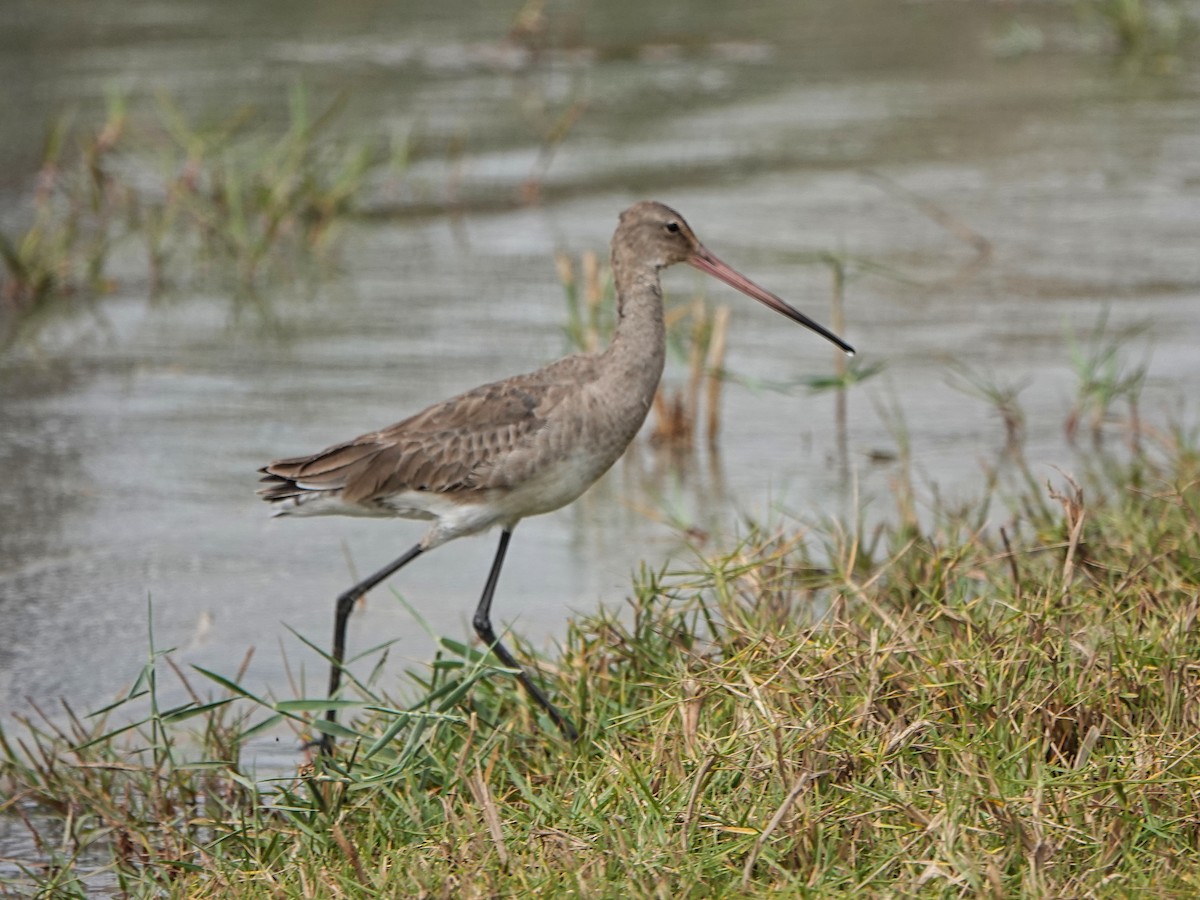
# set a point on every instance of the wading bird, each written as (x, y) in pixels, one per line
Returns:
(514, 448)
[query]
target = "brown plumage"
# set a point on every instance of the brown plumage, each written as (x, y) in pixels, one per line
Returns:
(514, 448)
(452, 447)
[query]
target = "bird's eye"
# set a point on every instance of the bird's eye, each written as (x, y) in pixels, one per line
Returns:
(673, 227)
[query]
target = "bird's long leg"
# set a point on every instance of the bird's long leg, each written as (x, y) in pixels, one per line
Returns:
(345, 605)
(483, 628)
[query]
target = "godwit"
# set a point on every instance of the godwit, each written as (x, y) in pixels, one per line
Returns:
(514, 448)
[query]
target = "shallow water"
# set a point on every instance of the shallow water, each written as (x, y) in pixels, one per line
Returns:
(130, 437)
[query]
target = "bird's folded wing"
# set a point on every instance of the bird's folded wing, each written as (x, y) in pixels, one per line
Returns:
(451, 446)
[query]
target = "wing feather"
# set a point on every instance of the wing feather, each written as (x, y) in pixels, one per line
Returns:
(457, 445)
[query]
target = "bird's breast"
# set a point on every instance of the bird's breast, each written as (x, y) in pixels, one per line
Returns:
(578, 445)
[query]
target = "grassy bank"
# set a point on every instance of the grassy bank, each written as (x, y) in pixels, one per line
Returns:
(943, 709)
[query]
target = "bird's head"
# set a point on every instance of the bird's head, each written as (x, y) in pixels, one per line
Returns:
(651, 233)
(657, 235)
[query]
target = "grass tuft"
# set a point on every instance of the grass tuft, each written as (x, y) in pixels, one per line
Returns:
(235, 200)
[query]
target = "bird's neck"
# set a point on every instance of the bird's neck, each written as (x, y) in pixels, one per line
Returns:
(638, 347)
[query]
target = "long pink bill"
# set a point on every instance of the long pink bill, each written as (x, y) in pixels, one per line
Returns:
(706, 262)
